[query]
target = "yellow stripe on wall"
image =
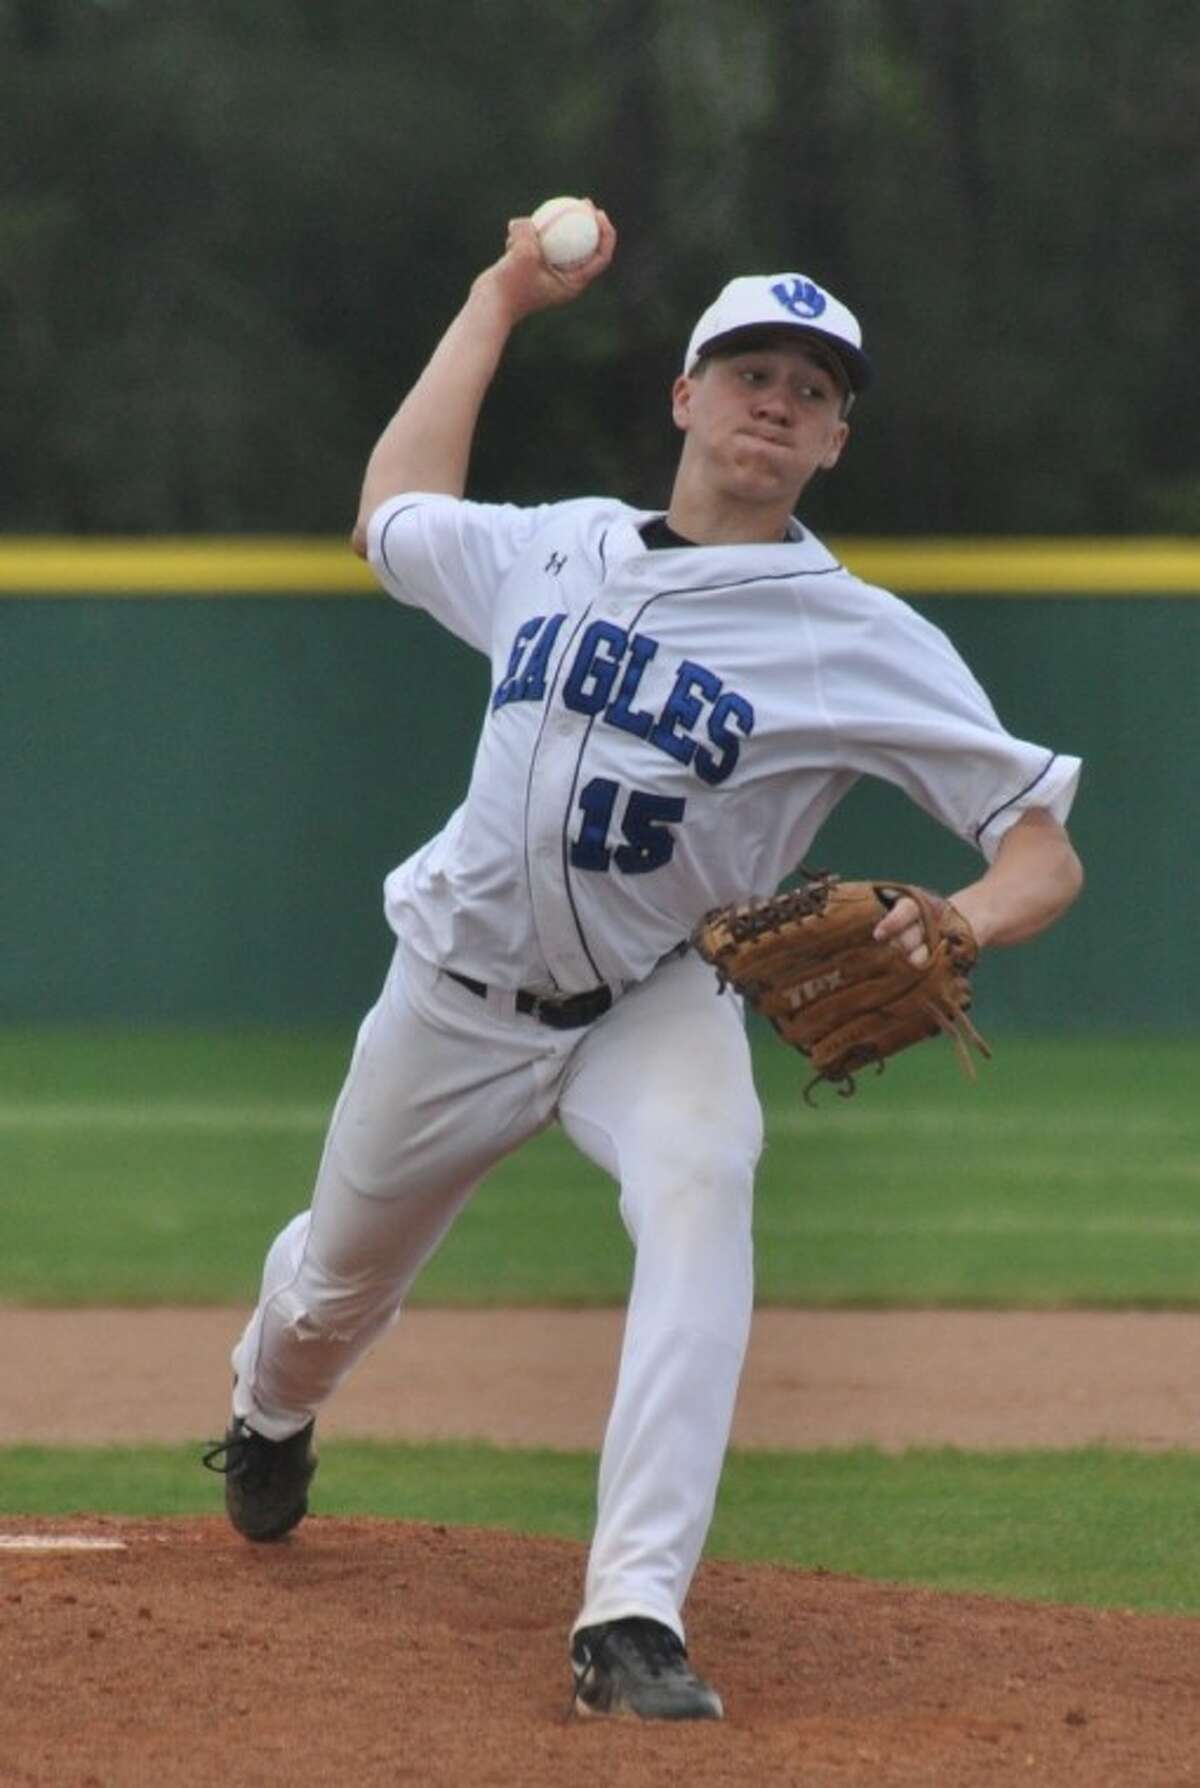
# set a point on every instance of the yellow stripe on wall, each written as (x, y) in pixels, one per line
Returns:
(245, 566)
(299, 566)
(1028, 567)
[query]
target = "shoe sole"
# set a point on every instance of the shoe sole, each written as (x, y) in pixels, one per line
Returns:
(623, 1711)
(273, 1535)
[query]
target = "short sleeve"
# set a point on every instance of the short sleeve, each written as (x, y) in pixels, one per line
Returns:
(919, 719)
(449, 556)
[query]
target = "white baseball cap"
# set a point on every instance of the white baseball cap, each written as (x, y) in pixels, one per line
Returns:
(788, 301)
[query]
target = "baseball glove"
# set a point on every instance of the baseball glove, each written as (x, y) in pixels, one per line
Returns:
(808, 961)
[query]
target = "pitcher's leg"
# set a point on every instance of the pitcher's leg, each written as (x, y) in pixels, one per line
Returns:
(434, 1096)
(663, 1097)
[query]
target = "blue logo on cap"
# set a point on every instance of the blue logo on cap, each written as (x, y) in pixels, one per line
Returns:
(800, 297)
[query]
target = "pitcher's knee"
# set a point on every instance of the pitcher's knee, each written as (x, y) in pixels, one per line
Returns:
(716, 1164)
(318, 1308)
(698, 1185)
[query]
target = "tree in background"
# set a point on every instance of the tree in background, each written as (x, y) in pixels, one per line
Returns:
(231, 235)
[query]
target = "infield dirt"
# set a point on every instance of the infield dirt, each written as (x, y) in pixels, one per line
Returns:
(368, 1652)
(891, 1379)
(376, 1652)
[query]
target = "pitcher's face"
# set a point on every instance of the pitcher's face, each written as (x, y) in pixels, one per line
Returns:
(761, 422)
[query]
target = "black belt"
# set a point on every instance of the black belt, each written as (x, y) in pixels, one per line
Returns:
(570, 1014)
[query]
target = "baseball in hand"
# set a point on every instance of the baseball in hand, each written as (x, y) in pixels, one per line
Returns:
(567, 231)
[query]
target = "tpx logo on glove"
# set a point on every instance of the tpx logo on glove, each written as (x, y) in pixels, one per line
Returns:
(805, 992)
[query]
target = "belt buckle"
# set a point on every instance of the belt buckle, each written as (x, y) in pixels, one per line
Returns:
(573, 1013)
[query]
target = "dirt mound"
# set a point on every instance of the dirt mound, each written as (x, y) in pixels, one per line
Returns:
(370, 1652)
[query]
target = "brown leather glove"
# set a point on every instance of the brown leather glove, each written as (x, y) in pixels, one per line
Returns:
(808, 961)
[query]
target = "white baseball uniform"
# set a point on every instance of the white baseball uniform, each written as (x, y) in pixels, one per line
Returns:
(667, 729)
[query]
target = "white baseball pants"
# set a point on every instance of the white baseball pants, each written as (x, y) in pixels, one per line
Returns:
(443, 1084)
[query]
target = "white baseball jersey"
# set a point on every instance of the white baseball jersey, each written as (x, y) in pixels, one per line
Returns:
(668, 729)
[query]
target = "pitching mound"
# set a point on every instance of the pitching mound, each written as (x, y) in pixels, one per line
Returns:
(364, 1652)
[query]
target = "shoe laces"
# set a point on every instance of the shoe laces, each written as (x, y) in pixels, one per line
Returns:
(227, 1456)
(242, 1454)
(657, 1646)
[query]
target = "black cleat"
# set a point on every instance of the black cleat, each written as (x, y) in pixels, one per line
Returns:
(638, 1666)
(266, 1481)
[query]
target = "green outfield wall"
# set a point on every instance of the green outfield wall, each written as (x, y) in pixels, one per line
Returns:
(211, 752)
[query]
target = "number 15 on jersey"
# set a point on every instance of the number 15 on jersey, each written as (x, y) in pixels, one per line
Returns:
(644, 823)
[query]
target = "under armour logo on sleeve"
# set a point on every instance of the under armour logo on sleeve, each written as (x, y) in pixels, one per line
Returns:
(555, 563)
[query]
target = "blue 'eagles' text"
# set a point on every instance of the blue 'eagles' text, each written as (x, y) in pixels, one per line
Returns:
(603, 680)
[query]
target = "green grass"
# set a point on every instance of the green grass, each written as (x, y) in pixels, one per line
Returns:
(1088, 1527)
(155, 1168)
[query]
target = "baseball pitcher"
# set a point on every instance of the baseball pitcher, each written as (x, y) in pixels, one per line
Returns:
(679, 698)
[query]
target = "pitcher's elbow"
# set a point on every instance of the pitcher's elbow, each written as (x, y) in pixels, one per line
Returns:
(1070, 878)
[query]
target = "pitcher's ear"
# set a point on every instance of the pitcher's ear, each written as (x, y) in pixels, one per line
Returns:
(681, 401)
(835, 452)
